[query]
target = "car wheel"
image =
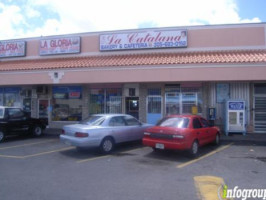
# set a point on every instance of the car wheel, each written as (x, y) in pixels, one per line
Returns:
(194, 149)
(217, 139)
(37, 131)
(2, 136)
(107, 145)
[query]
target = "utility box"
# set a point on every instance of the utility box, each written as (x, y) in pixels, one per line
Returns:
(235, 117)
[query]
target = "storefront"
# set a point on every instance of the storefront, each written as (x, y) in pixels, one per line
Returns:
(147, 73)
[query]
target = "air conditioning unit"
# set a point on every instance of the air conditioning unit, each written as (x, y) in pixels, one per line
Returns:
(131, 90)
(42, 90)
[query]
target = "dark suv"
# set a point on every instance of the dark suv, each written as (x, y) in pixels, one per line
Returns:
(14, 121)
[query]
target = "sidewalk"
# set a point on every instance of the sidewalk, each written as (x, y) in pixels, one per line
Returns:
(249, 138)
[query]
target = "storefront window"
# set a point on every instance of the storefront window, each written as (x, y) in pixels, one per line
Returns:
(10, 97)
(67, 103)
(1, 96)
(105, 100)
(182, 100)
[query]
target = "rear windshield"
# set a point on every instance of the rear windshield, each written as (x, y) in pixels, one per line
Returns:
(176, 122)
(1, 113)
(93, 120)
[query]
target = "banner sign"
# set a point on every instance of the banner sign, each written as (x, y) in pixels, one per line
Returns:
(12, 48)
(67, 92)
(143, 40)
(59, 46)
(236, 105)
(12, 90)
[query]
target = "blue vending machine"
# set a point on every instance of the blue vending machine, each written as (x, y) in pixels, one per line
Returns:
(235, 117)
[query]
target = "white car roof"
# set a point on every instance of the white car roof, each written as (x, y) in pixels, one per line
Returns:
(111, 115)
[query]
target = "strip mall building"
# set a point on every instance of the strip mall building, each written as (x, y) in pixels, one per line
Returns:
(148, 73)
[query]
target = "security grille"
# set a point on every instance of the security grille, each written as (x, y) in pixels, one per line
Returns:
(260, 114)
(260, 108)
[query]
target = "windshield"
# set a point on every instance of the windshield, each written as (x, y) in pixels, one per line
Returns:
(93, 120)
(176, 122)
(1, 113)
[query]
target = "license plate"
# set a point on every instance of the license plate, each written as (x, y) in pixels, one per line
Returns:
(159, 146)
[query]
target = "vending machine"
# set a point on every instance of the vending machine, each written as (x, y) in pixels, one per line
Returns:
(235, 116)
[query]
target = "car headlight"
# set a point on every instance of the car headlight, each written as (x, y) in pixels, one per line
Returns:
(146, 133)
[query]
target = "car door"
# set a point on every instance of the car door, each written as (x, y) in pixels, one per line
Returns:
(210, 136)
(134, 128)
(118, 128)
(199, 131)
(17, 121)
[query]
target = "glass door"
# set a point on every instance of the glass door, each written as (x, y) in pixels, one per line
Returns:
(43, 110)
(189, 100)
(172, 103)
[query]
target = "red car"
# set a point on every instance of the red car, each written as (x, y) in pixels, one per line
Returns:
(181, 132)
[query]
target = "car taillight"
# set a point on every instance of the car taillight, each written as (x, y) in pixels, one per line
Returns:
(80, 134)
(63, 132)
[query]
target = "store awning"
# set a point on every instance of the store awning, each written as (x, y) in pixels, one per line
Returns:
(217, 57)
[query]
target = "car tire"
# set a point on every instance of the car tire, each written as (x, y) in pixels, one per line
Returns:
(194, 150)
(37, 131)
(2, 136)
(107, 145)
(217, 140)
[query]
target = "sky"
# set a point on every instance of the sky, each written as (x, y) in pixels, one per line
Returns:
(34, 18)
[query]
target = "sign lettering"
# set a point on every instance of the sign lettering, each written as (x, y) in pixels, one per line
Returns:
(143, 40)
(12, 48)
(60, 46)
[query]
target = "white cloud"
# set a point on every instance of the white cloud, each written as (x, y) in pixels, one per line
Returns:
(10, 17)
(87, 16)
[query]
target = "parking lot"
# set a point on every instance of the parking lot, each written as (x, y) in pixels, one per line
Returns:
(44, 168)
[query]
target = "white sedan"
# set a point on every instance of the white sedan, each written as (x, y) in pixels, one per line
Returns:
(103, 131)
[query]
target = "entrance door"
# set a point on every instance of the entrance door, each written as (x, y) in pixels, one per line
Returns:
(132, 106)
(172, 103)
(154, 112)
(43, 110)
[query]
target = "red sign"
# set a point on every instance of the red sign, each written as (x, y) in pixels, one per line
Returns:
(12, 48)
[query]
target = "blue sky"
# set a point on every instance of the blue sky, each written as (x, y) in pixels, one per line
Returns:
(33, 18)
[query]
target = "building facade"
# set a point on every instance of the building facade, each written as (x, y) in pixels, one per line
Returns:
(148, 73)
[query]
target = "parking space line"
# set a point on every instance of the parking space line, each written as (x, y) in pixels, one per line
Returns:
(7, 156)
(205, 156)
(209, 187)
(47, 152)
(106, 156)
(94, 158)
(29, 144)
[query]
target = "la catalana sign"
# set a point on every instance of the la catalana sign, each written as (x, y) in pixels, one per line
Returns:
(12, 48)
(143, 40)
(63, 45)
